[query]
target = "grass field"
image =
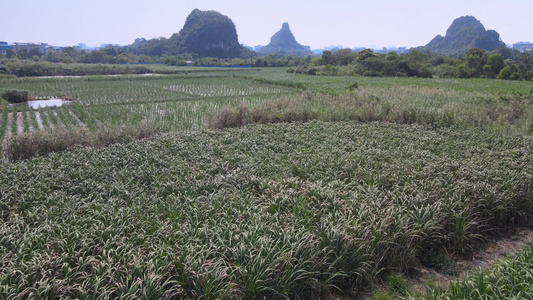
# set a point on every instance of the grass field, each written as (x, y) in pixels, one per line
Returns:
(322, 190)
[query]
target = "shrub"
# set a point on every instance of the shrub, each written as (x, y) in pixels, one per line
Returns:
(516, 76)
(39, 143)
(16, 96)
(381, 295)
(397, 285)
(505, 73)
(353, 86)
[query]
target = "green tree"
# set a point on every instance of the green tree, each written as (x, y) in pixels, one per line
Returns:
(365, 54)
(94, 57)
(67, 60)
(525, 65)
(23, 54)
(416, 61)
(425, 71)
(494, 65)
(343, 57)
(35, 52)
(53, 57)
(174, 61)
(505, 73)
(475, 59)
(69, 51)
(259, 62)
(327, 58)
(10, 53)
(462, 71)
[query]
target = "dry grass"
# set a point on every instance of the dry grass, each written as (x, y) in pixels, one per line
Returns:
(38, 143)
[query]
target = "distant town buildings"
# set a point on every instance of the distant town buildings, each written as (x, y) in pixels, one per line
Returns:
(115, 47)
(523, 46)
(45, 48)
(4, 46)
(42, 47)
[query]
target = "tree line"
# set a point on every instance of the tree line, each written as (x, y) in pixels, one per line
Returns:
(503, 63)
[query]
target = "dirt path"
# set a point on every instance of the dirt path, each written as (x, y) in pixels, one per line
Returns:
(484, 258)
(80, 122)
(20, 123)
(59, 121)
(39, 120)
(30, 123)
(7, 135)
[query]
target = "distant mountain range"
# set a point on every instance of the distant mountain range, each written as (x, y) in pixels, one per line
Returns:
(211, 34)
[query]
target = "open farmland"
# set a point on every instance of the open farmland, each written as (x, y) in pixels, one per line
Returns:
(168, 103)
(105, 109)
(351, 183)
(270, 210)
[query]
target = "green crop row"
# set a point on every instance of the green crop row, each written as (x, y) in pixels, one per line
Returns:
(285, 210)
(141, 88)
(338, 84)
(104, 103)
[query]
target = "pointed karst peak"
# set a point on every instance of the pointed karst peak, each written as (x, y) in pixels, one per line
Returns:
(283, 41)
(470, 22)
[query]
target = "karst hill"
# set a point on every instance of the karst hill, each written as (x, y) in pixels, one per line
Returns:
(204, 34)
(209, 34)
(465, 33)
(284, 42)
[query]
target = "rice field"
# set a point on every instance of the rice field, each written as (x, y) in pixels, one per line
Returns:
(171, 102)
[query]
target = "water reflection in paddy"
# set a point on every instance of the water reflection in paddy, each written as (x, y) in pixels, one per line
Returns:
(35, 104)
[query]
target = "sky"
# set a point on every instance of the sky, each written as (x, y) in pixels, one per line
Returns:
(315, 23)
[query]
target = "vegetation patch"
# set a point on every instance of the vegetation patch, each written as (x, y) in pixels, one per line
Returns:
(219, 98)
(39, 143)
(23, 68)
(405, 105)
(16, 96)
(283, 210)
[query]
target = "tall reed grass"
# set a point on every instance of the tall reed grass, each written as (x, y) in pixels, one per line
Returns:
(404, 105)
(38, 143)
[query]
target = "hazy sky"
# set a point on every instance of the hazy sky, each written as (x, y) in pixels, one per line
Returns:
(317, 23)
